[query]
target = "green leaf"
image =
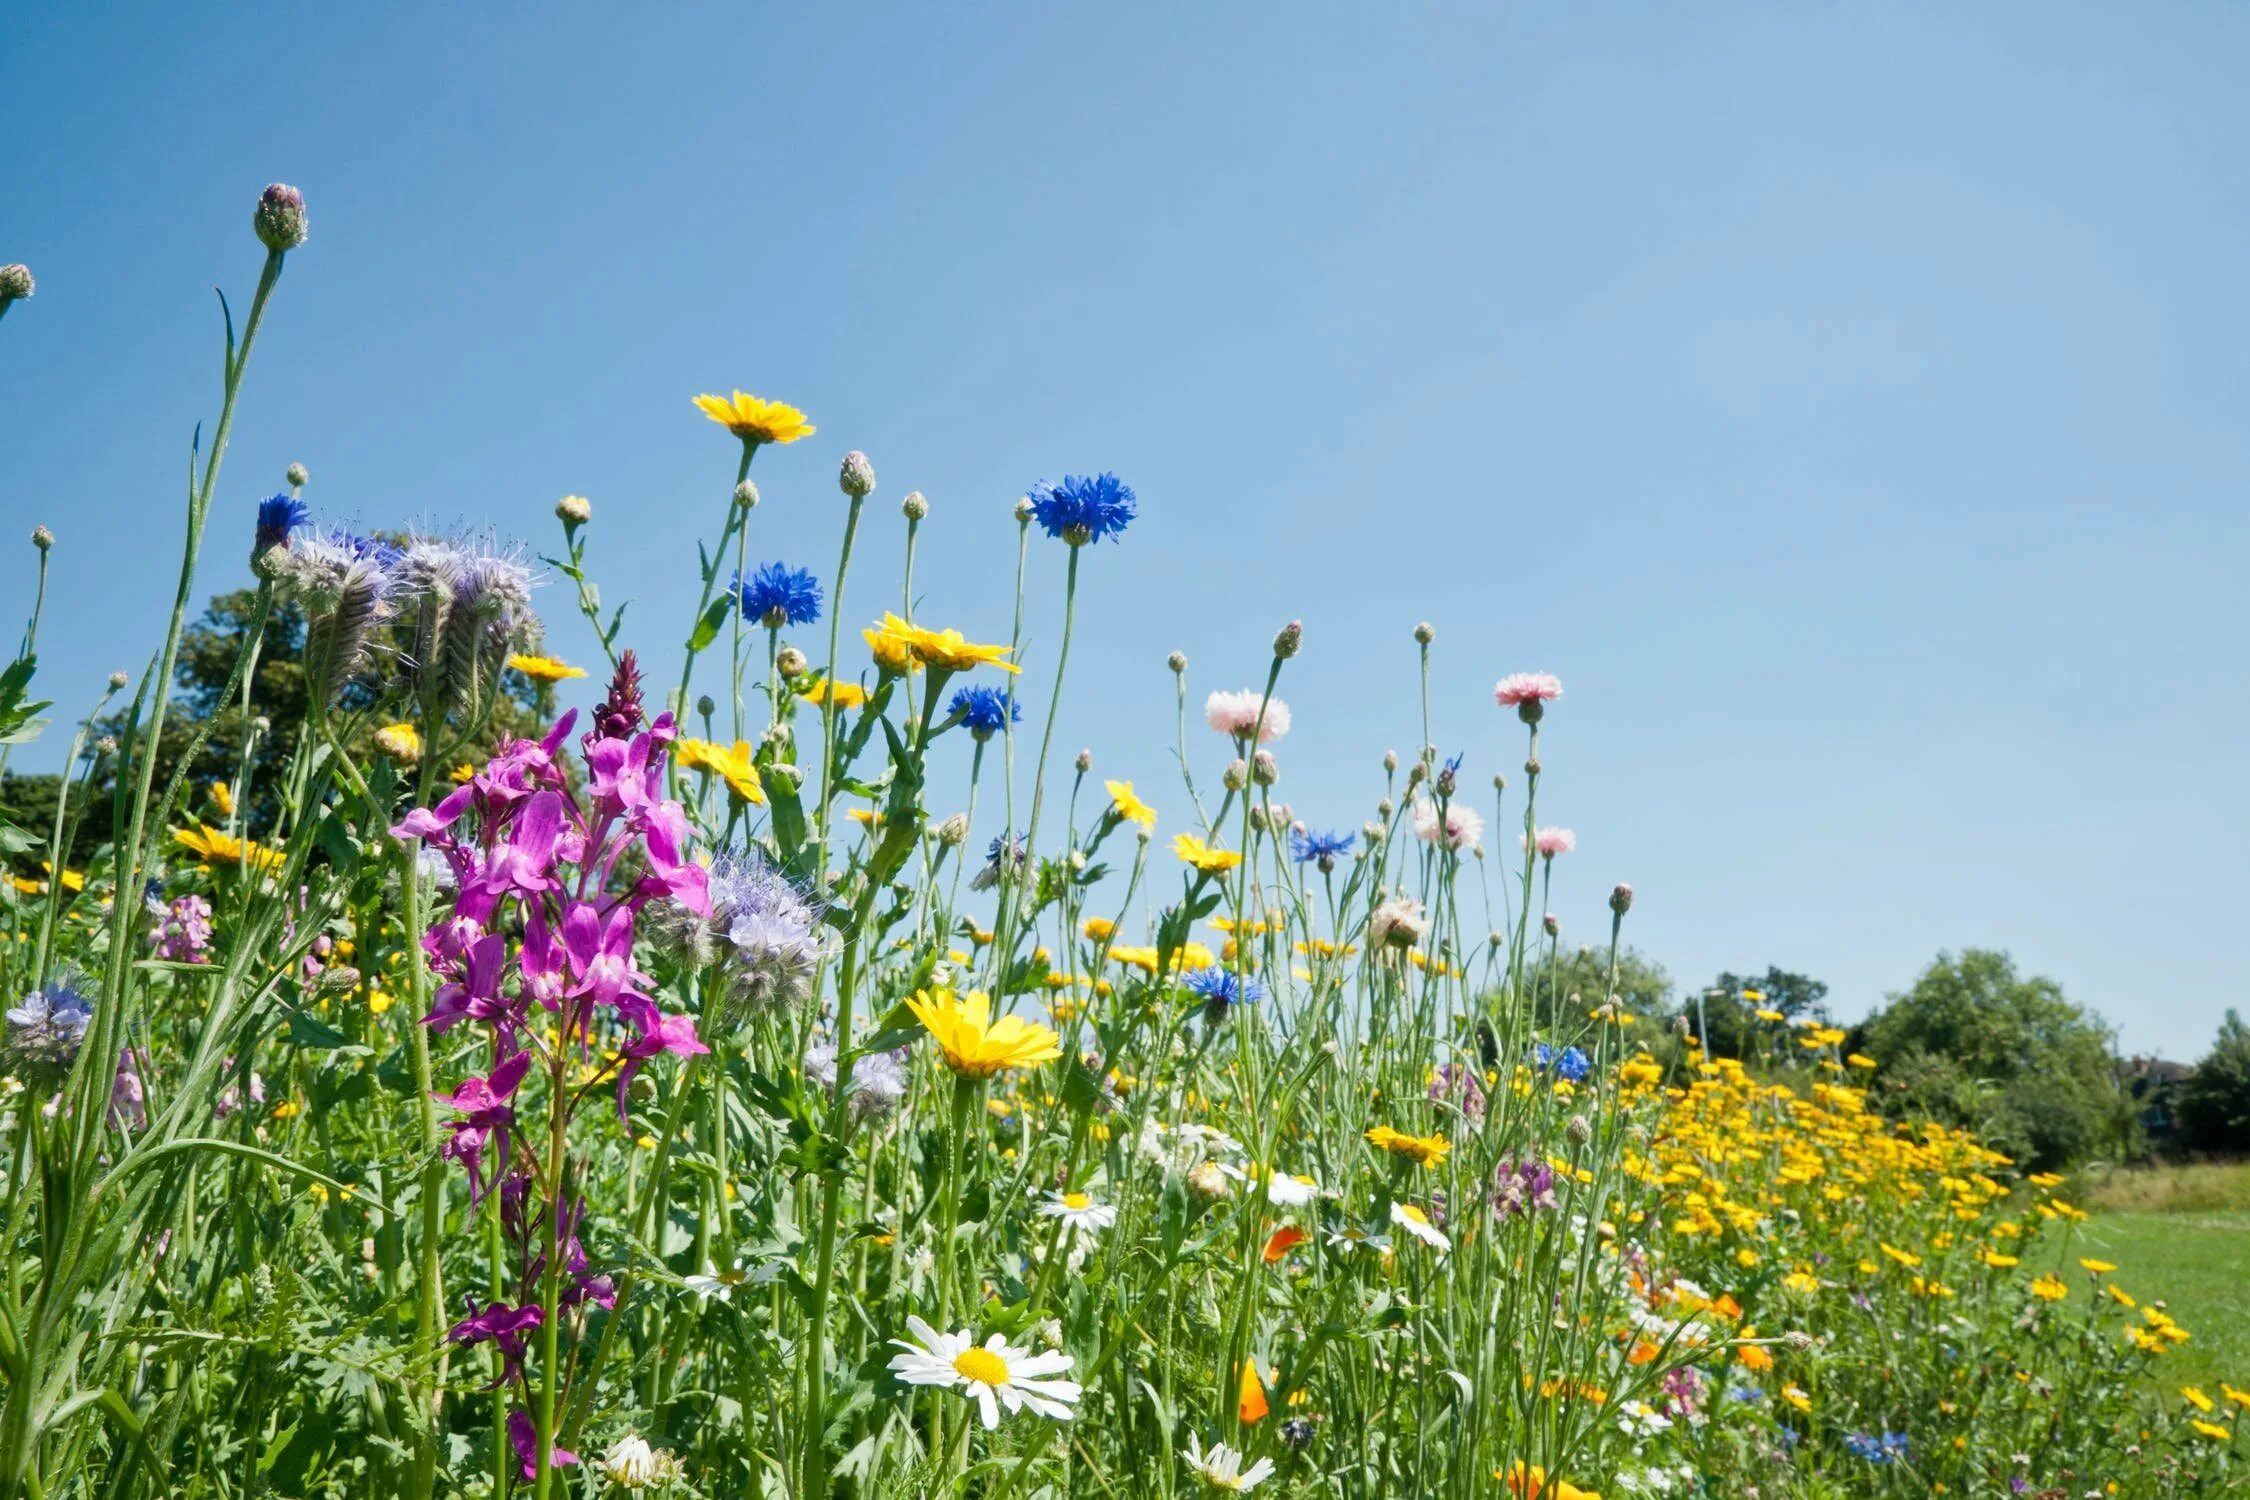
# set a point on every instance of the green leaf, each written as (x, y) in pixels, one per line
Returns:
(707, 628)
(307, 1032)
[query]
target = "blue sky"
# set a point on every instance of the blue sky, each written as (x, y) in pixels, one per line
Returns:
(1848, 401)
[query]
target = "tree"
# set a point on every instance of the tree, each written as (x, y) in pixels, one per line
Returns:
(1977, 1045)
(1643, 988)
(2214, 1101)
(1729, 1006)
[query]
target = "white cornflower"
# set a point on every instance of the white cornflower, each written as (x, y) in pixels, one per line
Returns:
(1417, 1223)
(994, 1374)
(1461, 828)
(1079, 1211)
(632, 1464)
(1221, 1467)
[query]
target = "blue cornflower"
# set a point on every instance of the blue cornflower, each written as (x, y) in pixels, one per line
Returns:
(984, 711)
(1748, 1395)
(1014, 851)
(1888, 1448)
(779, 595)
(1571, 1063)
(1222, 989)
(1309, 844)
(278, 517)
(1081, 510)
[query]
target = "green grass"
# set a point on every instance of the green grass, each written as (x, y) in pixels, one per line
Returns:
(2182, 1235)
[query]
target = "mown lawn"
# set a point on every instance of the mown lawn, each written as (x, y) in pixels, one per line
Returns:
(2182, 1234)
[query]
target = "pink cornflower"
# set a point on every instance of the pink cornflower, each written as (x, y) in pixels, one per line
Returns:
(1463, 825)
(1236, 714)
(1519, 688)
(1553, 841)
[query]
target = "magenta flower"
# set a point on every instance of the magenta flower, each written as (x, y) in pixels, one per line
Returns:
(484, 1104)
(523, 1436)
(183, 930)
(659, 1034)
(507, 1327)
(475, 992)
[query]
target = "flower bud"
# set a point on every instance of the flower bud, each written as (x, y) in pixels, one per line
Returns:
(1236, 776)
(954, 831)
(1291, 637)
(791, 662)
(1531, 766)
(16, 282)
(1425, 633)
(1798, 1339)
(1085, 761)
(1208, 1182)
(1499, 781)
(106, 745)
(1385, 808)
(1578, 1129)
(574, 510)
(117, 680)
(746, 495)
(280, 218)
(1552, 923)
(1177, 661)
(704, 706)
(42, 538)
(1621, 899)
(914, 507)
(856, 476)
(297, 475)
(336, 979)
(1390, 762)
(1372, 833)
(1448, 780)
(1264, 769)
(1415, 773)
(1025, 510)
(784, 773)
(261, 725)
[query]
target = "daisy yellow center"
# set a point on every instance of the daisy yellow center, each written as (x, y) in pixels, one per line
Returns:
(981, 1364)
(1077, 1201)
(1414, 1213)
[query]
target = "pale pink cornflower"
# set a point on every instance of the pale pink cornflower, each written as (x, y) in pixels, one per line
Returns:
(1236, 714)
(1463, 825)
(1519, 688)
(1552, 841)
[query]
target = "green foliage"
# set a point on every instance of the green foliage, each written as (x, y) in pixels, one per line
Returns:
(1977, 1045)
(2214, 1102)
(1726, 1011)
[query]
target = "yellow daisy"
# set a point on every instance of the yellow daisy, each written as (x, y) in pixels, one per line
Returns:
(401, 742)
(892, 643)
(1127, 806)
(951, 650)
(1210, 861)
(848, 694)
(1423, 1150)
(975, 1045)
(217, 846)
(755, 420)
(733, 765)
(544, 668)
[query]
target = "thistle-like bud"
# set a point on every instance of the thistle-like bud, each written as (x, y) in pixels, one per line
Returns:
(297, 475)
(1448, 779)
(856, 476)
(1531, 766)
(746, 495)
(106, 745)
(791, 662)
(399, 742)
(1085, 761)
(1390, 762)
(914, 507)
(1236, 776)
(1579, 1129)
(1372, 833)
(778, 735)
(1552, 923)
(1025, 510)
(1416, 773)
(338, 979)
(117, 680)
(16, 283)
(1621, 899)
(280, 218)
(42, 538)
(1289, 640)
(1385, 808)
(1177, 661)
(1798, 1339)
(1208, 1182)
(1425, 633)
(783, 772)
(705, 705)
(1264, 769)
(953, 832)
(1531, 711)
(574, 510)
(1499, 781)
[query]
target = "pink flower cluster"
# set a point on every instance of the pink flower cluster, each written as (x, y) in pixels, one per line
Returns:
(182, 929)
(547, 884)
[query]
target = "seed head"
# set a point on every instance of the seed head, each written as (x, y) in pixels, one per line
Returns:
(914, 507)
(856, 476)
(574, 510)
(280, 218)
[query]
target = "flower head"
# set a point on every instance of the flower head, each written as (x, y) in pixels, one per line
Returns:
(1311, 846)
(1203, 857)
(1241, 714)
(1417, 1224)
(1397, 923)
(975, 1045)
(1570, 1064)
(1551, 841)
(1081, 510)
(992, 1374)
(278, 518)
(984, 711)
(1125, 804)
(1460, 826)
(778, 595)
(755, 420)
(1221, 989)
(733, 764)
(631, 1464)
(1422, 1150)
(767, 931)
(45, 1031)
(1079, 1211)
(1220, 1467)
(544, 668)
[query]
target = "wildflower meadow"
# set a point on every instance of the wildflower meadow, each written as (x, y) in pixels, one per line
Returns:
(801, 1076)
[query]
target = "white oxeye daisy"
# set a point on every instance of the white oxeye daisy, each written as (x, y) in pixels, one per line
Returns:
(1079, 1211)
(632, 1464)
(1221, 1467)
(1417, 1223)
(994, 1374)
(719, 1284)
(1285, 1191)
